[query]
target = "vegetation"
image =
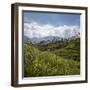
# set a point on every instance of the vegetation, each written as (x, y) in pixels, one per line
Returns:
(52, 58)
(69, 49)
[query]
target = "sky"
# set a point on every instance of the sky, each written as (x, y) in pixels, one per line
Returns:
(39, 24)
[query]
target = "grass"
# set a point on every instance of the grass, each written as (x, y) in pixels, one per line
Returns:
(39, 61)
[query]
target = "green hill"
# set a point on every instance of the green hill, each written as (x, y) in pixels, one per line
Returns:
(68, 48)
(51, 59)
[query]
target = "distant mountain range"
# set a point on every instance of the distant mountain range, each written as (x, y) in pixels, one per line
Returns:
(47, 39)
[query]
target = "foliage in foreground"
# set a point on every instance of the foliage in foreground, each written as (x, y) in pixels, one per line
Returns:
(45, 63)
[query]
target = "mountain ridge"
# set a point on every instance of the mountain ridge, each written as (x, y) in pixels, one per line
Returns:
(48, 38)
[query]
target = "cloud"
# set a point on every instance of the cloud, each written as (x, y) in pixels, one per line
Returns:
(36, 30)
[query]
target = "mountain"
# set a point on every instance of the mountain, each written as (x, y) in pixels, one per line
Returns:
(44, 39)
(26, 39)
(48, 39)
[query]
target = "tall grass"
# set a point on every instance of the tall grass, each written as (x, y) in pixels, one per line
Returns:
(44, 63)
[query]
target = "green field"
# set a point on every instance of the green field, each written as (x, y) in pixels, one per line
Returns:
(53, 58)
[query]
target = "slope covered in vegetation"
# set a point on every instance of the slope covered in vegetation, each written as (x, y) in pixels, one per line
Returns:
(67, 48)
(53, 58)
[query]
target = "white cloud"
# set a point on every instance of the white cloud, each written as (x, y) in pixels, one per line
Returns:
(34, 29)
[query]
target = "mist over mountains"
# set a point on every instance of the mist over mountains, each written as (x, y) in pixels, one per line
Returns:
(35, 32)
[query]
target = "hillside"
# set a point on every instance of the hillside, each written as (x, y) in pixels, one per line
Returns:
(52, 58)
(66, 48)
